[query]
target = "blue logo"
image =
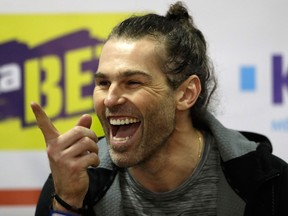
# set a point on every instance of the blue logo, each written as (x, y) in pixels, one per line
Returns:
(279, 86)
(248, 78)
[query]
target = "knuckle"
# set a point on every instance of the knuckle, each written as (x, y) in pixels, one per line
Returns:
(50, 152)
(78, 130)
(56, 157)
(84, 142)
(87, 143)
(94, 159)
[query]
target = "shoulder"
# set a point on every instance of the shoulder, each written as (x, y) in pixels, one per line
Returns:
(254, 169)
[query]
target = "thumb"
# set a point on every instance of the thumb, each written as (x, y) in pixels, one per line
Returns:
(85, 121)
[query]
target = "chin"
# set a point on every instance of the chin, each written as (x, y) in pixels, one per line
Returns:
(122, 160)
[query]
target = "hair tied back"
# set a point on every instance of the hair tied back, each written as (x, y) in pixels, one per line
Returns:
(178, 13)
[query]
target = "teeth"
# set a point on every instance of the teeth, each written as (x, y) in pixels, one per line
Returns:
(120, 139)
(123, 121)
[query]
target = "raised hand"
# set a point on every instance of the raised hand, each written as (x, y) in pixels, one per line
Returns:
(70, 154)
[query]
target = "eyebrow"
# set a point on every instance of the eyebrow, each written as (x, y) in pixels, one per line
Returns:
(128, 73)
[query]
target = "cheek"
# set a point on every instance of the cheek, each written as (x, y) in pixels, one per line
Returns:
(98, 101)
(148, 100)
(143, 102)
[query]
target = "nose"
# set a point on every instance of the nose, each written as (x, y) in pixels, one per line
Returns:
(114, 96)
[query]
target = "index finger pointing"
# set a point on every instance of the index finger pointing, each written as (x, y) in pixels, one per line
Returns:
(44, 123)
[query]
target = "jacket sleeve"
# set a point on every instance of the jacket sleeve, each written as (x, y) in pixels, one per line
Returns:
(100, 180)
(284, 192)
(45, 200)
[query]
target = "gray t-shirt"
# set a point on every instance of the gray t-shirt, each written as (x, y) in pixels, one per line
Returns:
(196, 196)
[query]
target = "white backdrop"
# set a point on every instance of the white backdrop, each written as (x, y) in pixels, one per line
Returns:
(239, 33)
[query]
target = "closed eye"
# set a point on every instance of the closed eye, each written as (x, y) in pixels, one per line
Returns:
(134, 82)
(102, 83)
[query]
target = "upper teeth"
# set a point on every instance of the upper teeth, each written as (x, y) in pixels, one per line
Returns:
(123, 121)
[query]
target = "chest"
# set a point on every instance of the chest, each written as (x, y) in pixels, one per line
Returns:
(196, 196)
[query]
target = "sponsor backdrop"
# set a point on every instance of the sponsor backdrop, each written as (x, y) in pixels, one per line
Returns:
(49, 52)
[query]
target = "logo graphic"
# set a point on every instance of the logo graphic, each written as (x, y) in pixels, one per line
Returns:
(248, 78)
(50, 59)
(280, 80)
(57, 74)
(279, 87)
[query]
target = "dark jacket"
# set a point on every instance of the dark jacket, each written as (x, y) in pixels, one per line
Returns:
(260, 179)
(252, 181)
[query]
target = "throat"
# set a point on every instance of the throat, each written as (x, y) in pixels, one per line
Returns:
(163, 174)
(159, 177)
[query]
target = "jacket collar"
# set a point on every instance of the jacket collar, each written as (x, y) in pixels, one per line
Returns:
(230, 143)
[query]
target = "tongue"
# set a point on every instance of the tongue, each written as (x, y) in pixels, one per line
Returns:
(126, 130)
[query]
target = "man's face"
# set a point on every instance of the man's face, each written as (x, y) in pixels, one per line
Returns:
(133, 101)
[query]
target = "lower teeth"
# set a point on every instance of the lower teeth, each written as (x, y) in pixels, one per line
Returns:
(120, 138)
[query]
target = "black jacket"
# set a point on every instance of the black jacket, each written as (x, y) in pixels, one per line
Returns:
(252, 180)
(258, 177)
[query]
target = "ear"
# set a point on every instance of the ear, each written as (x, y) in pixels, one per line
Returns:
(188, 92)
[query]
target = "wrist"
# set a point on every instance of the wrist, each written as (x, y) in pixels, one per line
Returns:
(64, 206)
(73, 200)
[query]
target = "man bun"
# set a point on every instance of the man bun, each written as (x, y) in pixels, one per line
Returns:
(178, 12)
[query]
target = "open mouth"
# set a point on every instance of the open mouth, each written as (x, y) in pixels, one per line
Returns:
(123, 128)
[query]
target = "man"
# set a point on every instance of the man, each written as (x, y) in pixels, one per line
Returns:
(163, 152)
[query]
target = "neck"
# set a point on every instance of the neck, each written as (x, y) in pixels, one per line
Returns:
(172, 164)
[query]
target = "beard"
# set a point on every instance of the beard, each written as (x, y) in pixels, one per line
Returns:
(157, 125)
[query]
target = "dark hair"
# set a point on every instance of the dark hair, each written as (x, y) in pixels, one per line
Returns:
(185, 50)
